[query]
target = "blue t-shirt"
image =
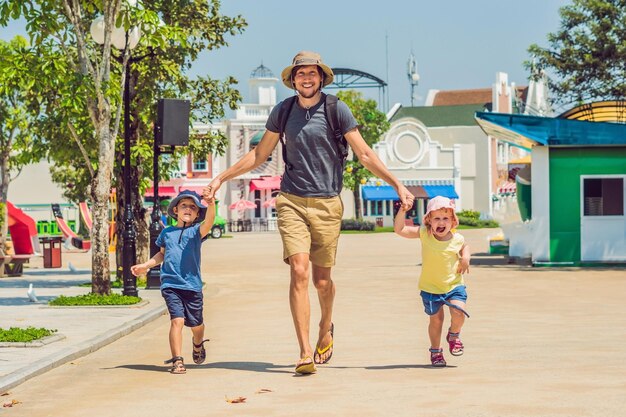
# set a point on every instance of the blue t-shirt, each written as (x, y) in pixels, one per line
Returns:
(181, 263)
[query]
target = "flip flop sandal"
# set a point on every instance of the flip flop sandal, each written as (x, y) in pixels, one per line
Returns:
(178, 365)
(319, 352)
(198, 355)
(455, 345)
(307, 367)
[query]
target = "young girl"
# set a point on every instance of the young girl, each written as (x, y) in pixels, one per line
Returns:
(445, 256)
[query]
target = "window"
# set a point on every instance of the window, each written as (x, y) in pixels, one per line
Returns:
(603, 196)
(376, 208)
(388, 207)
(200, 166)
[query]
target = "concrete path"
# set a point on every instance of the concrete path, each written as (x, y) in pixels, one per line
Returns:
(540, 342)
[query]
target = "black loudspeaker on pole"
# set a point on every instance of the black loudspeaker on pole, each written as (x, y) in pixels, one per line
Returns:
(173, 122)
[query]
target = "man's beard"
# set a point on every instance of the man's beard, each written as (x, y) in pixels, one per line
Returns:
(309, 95)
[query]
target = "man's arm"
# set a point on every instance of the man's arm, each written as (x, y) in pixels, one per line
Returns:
(370, 160)
(251, 160)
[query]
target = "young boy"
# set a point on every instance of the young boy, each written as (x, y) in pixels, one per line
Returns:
(181, 282)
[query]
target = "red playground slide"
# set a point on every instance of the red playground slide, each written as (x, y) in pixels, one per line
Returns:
(23, 231)
(68, 233)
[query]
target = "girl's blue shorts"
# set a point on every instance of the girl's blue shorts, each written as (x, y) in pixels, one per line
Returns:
(433, 302)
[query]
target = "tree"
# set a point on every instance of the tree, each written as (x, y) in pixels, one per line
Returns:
(86, 104)
(585, 58)
(372, 125)
(18, 136)
(61, 26)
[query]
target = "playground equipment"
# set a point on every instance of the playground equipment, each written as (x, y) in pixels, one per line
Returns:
(68, 233)
(23, 231)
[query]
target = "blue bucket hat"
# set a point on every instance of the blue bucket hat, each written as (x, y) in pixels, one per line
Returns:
(197, 199)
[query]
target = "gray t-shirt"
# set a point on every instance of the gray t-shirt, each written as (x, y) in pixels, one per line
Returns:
(315, 161)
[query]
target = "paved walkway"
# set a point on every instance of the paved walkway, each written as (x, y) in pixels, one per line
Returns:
(540, 342)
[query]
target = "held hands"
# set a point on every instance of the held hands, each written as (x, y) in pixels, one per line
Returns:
(406, 198)
(209, 191)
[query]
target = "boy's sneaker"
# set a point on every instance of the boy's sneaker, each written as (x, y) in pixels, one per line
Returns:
(436, 357)
(454, 343)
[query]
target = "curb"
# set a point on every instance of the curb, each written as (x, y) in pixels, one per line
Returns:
(48, 363)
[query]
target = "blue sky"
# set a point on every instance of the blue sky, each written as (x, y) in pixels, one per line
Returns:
(458, 44)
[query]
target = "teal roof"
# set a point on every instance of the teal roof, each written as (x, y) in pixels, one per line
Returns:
(257, 138)
(437, 116)
(527, 131)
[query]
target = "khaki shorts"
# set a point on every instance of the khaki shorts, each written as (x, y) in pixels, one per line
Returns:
(310, 225)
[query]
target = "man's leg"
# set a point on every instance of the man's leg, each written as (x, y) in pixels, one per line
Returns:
(300, 304)
(326, 295)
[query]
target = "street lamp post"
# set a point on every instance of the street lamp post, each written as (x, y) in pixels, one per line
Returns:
(124, 40)
(153, 280)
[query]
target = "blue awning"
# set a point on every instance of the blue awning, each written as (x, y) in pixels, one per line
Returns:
(442, 190)
(528, 131)
(383, 192)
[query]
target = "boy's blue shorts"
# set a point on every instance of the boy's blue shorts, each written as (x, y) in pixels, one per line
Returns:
(433, 302)
(184, 303)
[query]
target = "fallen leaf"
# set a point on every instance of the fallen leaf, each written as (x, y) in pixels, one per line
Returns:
(236, 400)
(5, 394)
(11, 404)
(263, 391)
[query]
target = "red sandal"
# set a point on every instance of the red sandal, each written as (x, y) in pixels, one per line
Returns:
(454, 343)
(436, 358)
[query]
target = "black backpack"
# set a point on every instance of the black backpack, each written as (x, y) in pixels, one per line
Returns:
(330, 108)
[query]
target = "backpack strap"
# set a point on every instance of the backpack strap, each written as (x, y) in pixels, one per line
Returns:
(283, 116)
(333, 121)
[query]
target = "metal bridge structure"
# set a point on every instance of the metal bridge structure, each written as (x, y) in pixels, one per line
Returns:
(353, 79)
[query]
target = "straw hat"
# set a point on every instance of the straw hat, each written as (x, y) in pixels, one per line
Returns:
(307, 58)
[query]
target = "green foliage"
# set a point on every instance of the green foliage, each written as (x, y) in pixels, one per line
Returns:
(372, 125)
(17, 334)
(469, 214)
(473, 220)
(92, 299)
(354, 224)
(585, 57)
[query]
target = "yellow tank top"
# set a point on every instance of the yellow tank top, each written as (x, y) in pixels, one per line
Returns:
(440, 261)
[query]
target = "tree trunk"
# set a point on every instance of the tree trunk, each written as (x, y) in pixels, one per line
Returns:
(357, 202)
(101, 187)
(5, 178)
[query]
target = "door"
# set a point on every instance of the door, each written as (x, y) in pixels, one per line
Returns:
(603, 223)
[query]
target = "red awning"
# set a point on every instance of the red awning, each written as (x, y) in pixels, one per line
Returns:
(164, 191)
(265, 183)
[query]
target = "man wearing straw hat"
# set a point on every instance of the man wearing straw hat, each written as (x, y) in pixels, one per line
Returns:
(309, 207)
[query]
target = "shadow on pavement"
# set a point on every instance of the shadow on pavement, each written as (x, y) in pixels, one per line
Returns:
(413, 366)
(241, 366)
